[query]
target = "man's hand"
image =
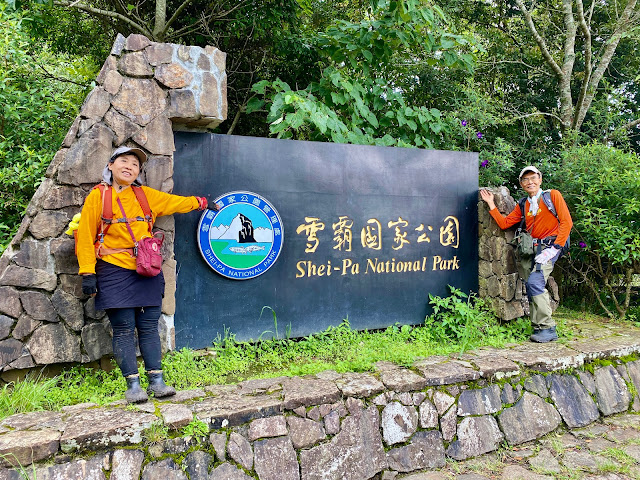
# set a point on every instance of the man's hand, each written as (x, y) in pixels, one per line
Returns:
(546, 255)
(488, 198)
(89, 284)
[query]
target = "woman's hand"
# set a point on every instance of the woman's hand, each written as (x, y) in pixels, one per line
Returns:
(202, 203)
(89, 284)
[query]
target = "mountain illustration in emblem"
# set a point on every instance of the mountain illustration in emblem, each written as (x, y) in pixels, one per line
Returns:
(241, 230)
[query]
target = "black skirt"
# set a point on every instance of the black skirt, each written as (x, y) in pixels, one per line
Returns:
(122, 288)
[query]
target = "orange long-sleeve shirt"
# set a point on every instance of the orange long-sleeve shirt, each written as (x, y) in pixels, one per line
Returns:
(544, 224)
(118, 235)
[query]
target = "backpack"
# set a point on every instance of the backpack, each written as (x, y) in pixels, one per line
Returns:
(107, 218)
(546, 198)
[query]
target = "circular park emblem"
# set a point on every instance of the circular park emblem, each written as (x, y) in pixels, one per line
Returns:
(244, 238)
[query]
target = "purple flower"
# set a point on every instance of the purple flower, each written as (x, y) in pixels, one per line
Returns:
(582, 245)
(479, 134)
(484, 163)
(464, 123)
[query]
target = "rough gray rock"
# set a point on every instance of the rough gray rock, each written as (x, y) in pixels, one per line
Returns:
(89, 469)
(159, 53)
(442, 401)
(96, 340)
(140, 100)
(545, 461)
(332, 423)
(354, 453)
(276, 459)
(183, 105)
(105, 427)
(302, 391)
(38, 306)
(219, 442)
(572, 400)
(64, 255)
(508, 394)
(10, 302)
(360, 385)
(25, 326)
(479, 402)
(402, 380)
(6, 324)
(428, 415)
(536, 384)
(32, 254)
(305, 432)
(425, 450)
(267, 427)
(196, 464)
(230, 410)
(239, 449)
(48, 224)
(528, 419)
(476, 435)
(399, 422)
(10, 350)
(448, 424)
(134, 65)
(96, 104)
(85, 159)
(226, 471)
(446, 373)
(632, 367)
(176, 415)
(52, 343)
(612, 393)
(165, 469)
(173, 75)
(16, 276)
(69, 308)
(24, 447)
(136, 42)
(126, 464)
(156, 137)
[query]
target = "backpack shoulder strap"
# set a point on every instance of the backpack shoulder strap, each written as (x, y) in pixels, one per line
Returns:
(546, 197)
(521, 204)
(144, 203)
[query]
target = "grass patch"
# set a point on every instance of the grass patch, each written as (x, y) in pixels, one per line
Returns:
(460, 323)
(26, 396)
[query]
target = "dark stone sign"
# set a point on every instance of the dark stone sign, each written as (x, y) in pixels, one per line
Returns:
(364, 233)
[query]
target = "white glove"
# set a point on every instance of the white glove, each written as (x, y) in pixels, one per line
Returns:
(546, 255)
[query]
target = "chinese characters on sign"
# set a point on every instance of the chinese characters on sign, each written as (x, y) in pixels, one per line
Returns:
(371, 235)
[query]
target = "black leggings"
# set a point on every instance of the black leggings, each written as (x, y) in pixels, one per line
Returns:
(124, 322)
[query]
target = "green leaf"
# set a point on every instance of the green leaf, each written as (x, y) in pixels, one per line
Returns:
(260, 87)
(254, 104)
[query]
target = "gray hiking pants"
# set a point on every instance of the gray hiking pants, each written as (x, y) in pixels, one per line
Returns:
(536, 283)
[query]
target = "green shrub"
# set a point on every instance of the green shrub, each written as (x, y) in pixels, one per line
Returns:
(602, 188)
(40, 94)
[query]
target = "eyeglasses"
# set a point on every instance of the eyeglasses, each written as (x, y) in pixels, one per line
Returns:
(526, 180)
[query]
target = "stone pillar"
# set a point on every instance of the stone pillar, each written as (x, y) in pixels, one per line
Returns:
(498, 280)
(143, 92)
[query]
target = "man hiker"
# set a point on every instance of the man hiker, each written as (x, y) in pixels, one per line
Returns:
(547, 222)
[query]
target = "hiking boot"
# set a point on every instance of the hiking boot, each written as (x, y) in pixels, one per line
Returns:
(158, 387)
(545, 335)
(134, 393)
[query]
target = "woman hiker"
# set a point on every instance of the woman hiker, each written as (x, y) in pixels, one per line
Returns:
(108, 264)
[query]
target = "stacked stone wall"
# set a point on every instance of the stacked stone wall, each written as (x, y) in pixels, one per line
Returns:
(144, 91)
(498, 280)
(335, 426)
